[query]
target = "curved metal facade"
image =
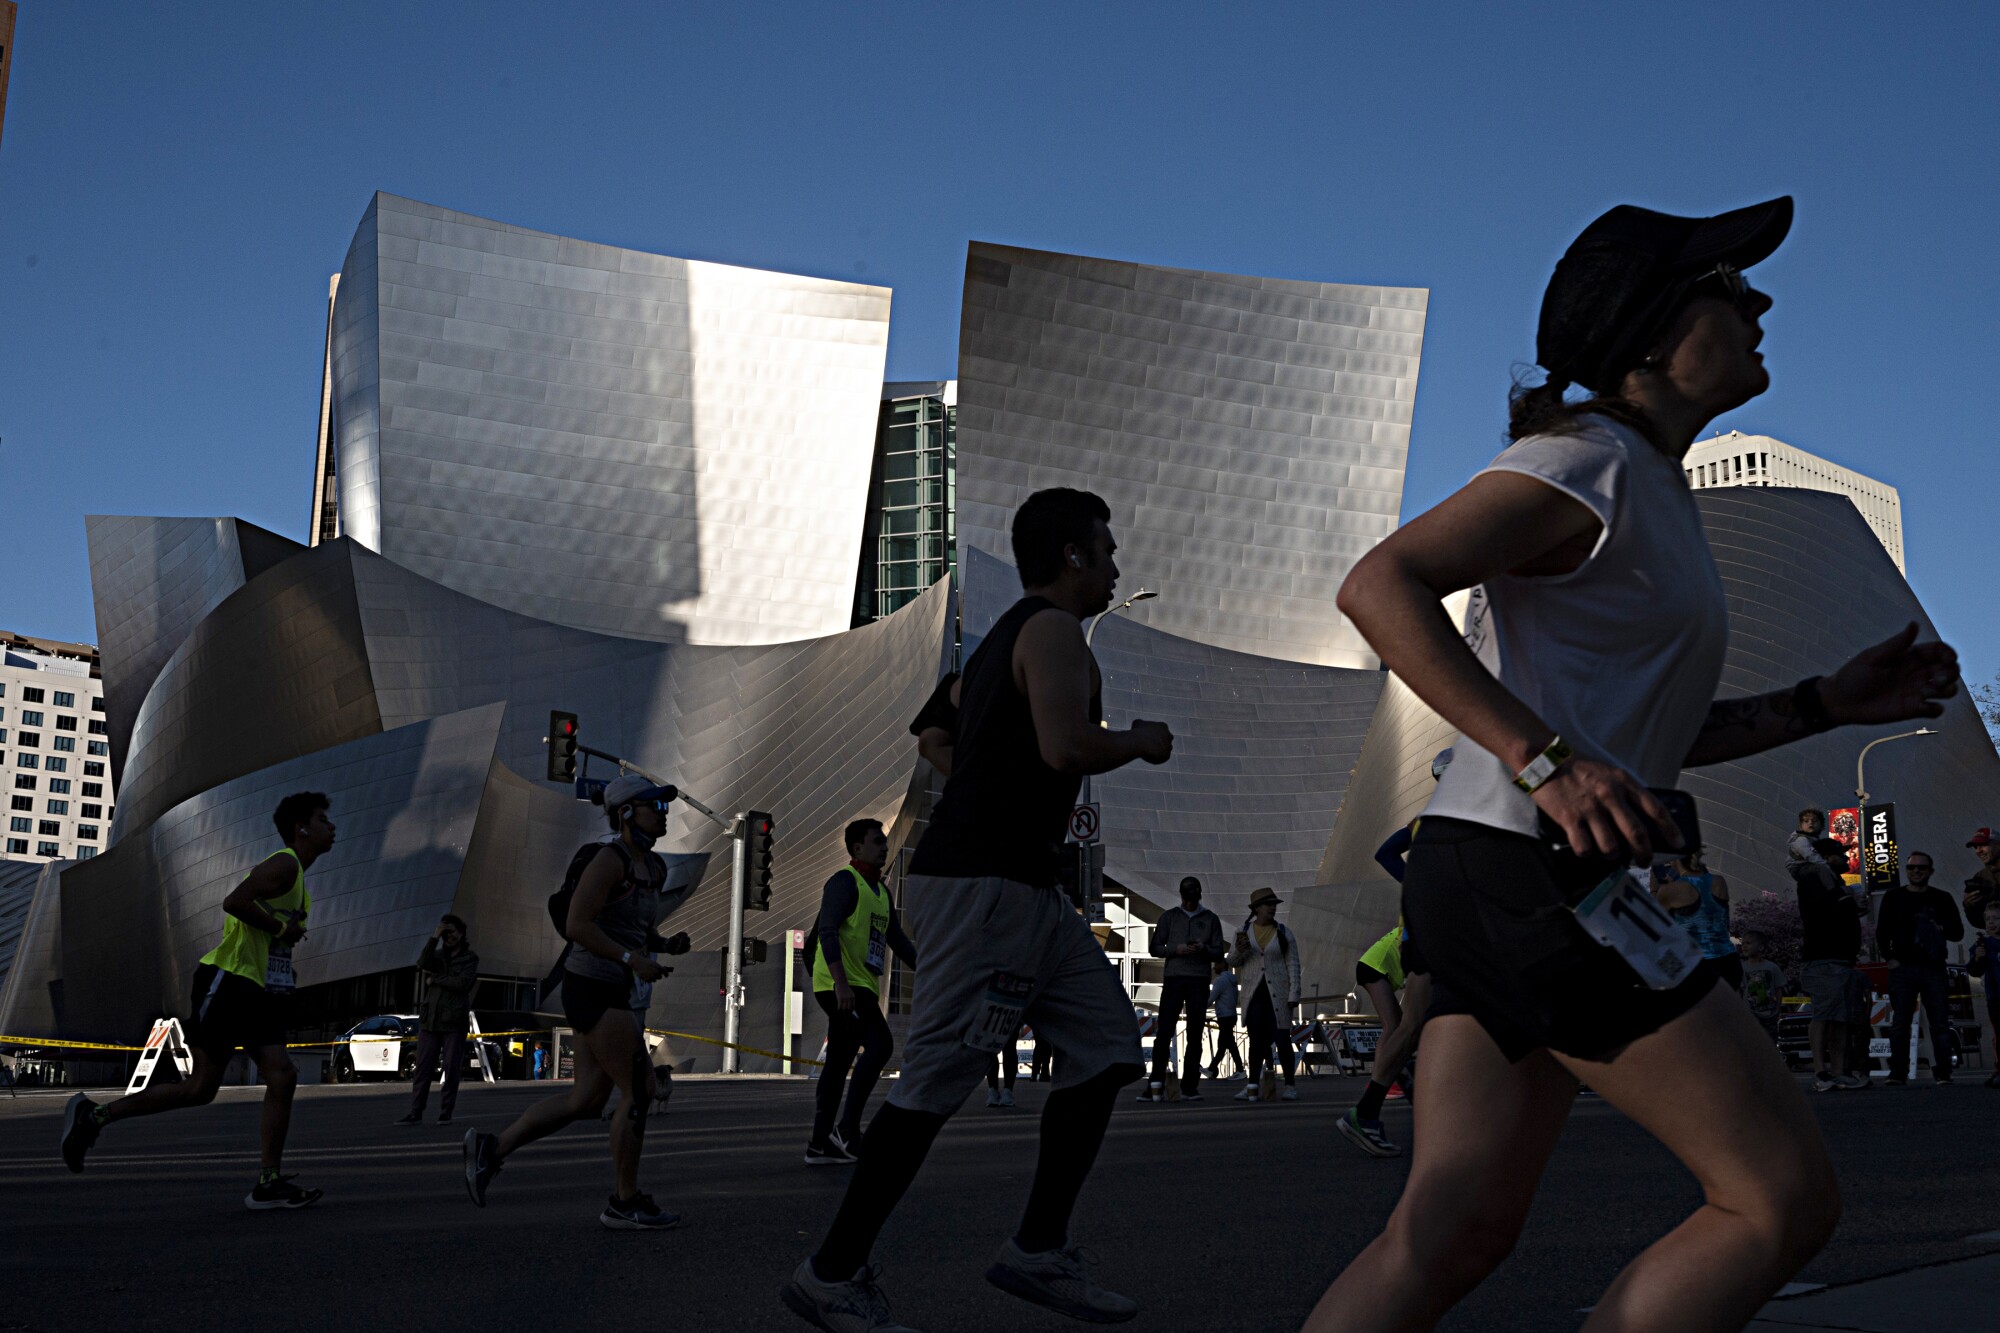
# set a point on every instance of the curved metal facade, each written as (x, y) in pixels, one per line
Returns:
(418, 709)
(1263, 751)
(642, 446)
(152, 581)
(1249, 433)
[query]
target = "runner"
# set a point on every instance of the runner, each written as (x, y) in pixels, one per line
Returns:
(607, 982)
(1401, 1024)
(1589, 676)
(242, 997)
(1391, 964)
(1001, 941)
(849, 952)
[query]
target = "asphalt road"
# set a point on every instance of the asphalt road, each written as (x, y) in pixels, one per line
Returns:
(1214, 1215)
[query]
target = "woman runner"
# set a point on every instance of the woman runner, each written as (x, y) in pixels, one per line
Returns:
(1587, 674)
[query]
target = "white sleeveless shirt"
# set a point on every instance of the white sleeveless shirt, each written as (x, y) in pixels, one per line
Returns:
(1621, 656)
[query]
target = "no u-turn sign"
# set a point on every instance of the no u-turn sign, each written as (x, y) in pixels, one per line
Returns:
(1083, 823)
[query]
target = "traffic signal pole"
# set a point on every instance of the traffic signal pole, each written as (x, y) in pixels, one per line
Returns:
(739, 893)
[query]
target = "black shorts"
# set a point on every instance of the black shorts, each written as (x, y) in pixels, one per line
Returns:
(1506, 950)
(585, 1000)
(1365, 975)
(232, 1011)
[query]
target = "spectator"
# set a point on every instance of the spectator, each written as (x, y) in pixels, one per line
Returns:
(1699, 899)
(1983, 887)
(451, 970)
(1811, 828)
(1912, 929)
(1190, 939)
(1986, 966)
(1763, 980)
(1000, 1078)
(1222, 1003)
(1832, 919)
(1267, 962)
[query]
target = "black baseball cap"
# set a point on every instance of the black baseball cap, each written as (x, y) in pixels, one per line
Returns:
(1626, 276)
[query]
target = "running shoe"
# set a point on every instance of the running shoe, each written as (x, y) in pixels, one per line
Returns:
(1826, 1083)
(1855, 1081)
(638, 1213)
(1190, 1091)
(1247, 1093)
(80, 1131)
(1366, 1135)
(1059, 1280)
(482, 1163)
(412, 1119)
(1006, 1102)
(1895, 1081)
(280, 1192)
(825, 1154)
(1288, 1093)
(992, 1098)
(445, 1119)
(854, 1306)
(846, 1145)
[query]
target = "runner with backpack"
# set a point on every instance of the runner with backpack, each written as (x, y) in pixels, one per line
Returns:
(608, 908)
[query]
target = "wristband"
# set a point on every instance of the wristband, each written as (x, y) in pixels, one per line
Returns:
(1809, 707)
(1543, 766)
(626, 958)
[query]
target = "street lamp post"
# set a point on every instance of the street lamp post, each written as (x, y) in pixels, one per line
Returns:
(1143, 595)
(1860, 763)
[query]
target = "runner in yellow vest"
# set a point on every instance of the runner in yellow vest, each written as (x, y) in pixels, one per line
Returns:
(242, 998)
(857, 928)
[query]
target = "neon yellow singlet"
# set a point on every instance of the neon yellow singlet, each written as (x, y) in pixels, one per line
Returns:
(1386, 956)
(246, 950)
(864, 940)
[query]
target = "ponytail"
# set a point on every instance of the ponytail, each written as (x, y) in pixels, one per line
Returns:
(1543, 409)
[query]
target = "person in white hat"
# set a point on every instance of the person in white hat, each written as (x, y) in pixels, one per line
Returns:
(621, 897)
(1266, 958)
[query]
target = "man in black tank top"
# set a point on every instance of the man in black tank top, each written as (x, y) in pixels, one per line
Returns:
(1001, 944)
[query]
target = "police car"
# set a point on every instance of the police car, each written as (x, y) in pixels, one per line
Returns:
(385, 1047)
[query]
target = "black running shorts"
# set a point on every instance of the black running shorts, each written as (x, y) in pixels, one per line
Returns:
(1505, 949)
(585, 1000)
(231, 1011)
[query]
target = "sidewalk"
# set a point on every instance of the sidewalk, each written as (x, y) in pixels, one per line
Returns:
(1959, 1293)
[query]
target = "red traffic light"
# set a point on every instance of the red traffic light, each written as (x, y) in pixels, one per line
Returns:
(566, 727)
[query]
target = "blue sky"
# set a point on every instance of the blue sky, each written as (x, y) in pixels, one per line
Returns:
(176, 183)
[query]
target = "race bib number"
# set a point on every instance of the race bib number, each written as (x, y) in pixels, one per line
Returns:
(878, 949)
(998, 1018)
(278, 977)
(1621, 915)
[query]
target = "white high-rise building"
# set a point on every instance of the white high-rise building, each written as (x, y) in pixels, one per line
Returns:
(54, 752)
(1737, 459)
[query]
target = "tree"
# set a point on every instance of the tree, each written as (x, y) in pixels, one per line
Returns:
(1987, 697)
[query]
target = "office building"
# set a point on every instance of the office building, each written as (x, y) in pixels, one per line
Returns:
(1736, 459)
(54, 751)
(909, 538)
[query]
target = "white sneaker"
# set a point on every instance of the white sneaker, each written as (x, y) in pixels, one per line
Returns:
(1247, 1093)
(1006, 1099)
(1288, 1093)
(1855, 1079)
(993, 1097)
(1059, 1280)
(1825, 1083)
(856, 1306)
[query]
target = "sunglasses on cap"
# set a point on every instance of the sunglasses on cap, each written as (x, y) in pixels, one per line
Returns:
(1734, 287)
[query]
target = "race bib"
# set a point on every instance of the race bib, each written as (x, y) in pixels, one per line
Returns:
(998, 1018)
(1621, 915)
(878, 949)
(278, 977)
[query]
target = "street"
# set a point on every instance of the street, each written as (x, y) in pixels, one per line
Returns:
(1213, 1215)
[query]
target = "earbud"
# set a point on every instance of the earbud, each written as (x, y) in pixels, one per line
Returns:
(1075, 563)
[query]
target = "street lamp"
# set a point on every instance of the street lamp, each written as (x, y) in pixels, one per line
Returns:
(1143, 595)
(1860, 782)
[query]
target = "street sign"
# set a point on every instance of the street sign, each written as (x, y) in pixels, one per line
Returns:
(1084, 823)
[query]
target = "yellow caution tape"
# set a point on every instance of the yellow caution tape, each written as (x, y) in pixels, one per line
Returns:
(7, 1040)
(736, 1046)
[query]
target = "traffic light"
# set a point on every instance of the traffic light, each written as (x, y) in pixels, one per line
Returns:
(755, 951)
(562, 746)
(759, 850)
